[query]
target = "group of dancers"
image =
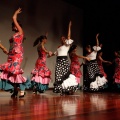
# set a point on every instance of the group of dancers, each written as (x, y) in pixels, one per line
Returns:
(67, 75)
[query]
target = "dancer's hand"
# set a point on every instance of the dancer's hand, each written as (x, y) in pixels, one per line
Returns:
(97, 35)
(18, 11)
(50, 54)
(5, 51)
(88, 59)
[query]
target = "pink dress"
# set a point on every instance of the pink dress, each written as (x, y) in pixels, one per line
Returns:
(41, 74)
(11, 70)
(101, 68)
(117, 70)
(75, 67)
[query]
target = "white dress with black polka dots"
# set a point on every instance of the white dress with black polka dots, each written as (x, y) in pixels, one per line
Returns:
(94, 79)
(65, 82)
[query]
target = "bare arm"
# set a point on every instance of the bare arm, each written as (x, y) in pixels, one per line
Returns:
(44, 49)
(69, 30)
(16, 22)
(4, 49)
(79, 56)
(48, 52)
(97, 41)
(104, 61)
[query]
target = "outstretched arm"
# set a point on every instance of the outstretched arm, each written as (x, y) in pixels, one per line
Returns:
(4, 49)
(80, 56)
(104, 61)
(18, 11)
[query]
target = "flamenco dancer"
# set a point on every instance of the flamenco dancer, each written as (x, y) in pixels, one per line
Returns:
(11, 75)
(100, 61)
(65, 82)
(75, 64)
(41, 75)
(94, 79)
(116, 76)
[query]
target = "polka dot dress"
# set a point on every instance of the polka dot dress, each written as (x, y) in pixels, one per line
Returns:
(92, 71)
(61, 73)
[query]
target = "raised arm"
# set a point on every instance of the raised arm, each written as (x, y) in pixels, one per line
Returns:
(18, 11)
(69, 30)
(97, 41)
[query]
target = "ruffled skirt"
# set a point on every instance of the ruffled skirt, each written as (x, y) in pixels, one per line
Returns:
(93, 79)
(65, 82)
(41, 78)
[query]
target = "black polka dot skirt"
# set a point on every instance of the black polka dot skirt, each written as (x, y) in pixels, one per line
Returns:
(62, 72)
(92, 71)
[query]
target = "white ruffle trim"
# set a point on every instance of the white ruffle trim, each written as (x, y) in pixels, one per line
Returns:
(96, 48)
(68, 42)
(99, 82)
(70, 81)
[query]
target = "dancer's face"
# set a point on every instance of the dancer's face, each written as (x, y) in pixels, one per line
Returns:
(100, 53)
(88, 49)
(44, 41)
(14, 29)
(75, 49)
(62, 39)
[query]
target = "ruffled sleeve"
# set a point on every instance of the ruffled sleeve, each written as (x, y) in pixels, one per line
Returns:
(68, 42)
(96, 48)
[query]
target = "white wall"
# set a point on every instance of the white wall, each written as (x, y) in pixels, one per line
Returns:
(37, 17)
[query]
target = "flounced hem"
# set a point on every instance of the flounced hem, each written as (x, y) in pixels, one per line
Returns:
(117, 81)
(6, 85)
(98, 83)
(39, 79)
(13, 78)
(68, 86)
(38, 87)
(78, 80)
(70, 81)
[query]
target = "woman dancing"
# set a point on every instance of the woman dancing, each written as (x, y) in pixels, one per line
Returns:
(94, 80)
(41, 75)
(11, 76)
(100, 61)
(75, 64)
(116, 76)
(65, 82)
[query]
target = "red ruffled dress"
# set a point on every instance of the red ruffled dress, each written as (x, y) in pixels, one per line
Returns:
(41, 75)
(11, 70)
(101, 68)
(75, 67)
(117, 70)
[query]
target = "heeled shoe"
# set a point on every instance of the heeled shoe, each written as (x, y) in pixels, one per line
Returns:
(34, 91)
(15, 93)
(21, 96)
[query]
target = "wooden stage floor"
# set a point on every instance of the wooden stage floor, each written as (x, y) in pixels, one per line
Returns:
(51, 106)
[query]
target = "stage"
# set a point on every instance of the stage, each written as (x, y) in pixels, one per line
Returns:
(51, 106)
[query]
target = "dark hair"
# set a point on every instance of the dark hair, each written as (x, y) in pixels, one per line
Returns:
(99, 51)
(88, 46)
(72, 48)
(13, 25)
(118, 52)
(39, 39)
